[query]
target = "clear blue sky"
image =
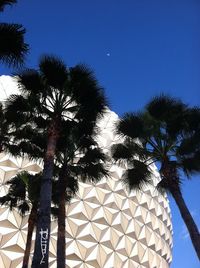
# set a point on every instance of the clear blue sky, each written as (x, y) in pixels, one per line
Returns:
(137, 48)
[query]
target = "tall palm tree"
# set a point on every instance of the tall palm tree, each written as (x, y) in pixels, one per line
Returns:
(12, 46)
(59, 98)
(78, 158)
(167, 133)
(23, 195)
(82, 161)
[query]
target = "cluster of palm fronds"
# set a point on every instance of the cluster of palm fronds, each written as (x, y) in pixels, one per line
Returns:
(12, 46)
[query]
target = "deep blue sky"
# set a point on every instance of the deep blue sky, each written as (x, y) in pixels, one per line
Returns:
(137, 48)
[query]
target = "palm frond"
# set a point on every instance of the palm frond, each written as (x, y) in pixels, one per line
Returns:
(8, 200)
(17, 187)
(87, 92)
(191, 164)
(12, 46)
(121, 151)
(138, 176)
(23, 208)
(90, 173)
(130, 125)
(164, 107)
(29, 81)
(54, 71)
(17, 109)
(192, 118)
(93, 155)
(189, 145)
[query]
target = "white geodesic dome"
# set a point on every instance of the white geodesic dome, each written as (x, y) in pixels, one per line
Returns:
(106, 226)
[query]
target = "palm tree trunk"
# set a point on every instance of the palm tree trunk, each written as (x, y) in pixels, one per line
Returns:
(61, 223)
(31, 225)
(41, 251)
(172, 183)
(189, 222)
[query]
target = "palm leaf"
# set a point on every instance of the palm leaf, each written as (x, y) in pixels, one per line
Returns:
(92, 156)
(121, 151)
(138, 176)
(164, 107)
(54, 71)
(191, 164)
(23, 208)
(83, 83)
(29, 81)
(12, 46)
(17, 109)
(131, 125)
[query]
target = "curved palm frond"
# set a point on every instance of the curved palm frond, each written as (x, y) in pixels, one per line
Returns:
(191, 164)
(164, 107)
(171, 112)
(138, 176)
(54, 71)
(12, 46)
(92, 155)
(90, 173)
(16, 196)
(189, 145)
(23, 208)
(121, 151)
(29, 82)
(193, 119)
(17, 110)
(83, 82)
(131, 125)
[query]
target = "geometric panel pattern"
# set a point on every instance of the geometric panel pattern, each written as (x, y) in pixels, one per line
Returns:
(106, 226)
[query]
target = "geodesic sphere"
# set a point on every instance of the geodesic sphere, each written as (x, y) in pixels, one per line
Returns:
(106, 225)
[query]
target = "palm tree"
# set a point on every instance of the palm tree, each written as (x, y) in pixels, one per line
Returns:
(82, 161)
(58, 98)
(78, 158)
(12, 46)
(167, 133)
(23, 195)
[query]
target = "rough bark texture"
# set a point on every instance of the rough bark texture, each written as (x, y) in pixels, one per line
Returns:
(172, 183)
(41, 251)
(61, 223)
(31, 225)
